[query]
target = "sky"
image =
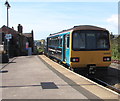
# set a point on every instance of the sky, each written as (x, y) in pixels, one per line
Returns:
(51, 16)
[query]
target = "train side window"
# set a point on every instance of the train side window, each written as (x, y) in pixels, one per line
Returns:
(57, 42)
(60, 42)
(68, 41)
(49, 41)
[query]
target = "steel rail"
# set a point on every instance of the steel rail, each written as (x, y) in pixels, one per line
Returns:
(105, 84)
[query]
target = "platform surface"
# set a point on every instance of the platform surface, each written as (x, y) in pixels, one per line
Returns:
(38, 77)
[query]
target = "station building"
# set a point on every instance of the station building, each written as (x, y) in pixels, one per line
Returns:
(19, 43)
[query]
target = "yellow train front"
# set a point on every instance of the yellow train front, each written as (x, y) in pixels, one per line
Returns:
(81, 46)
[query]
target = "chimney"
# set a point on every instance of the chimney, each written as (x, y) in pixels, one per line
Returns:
(12, 27)
(20, 28)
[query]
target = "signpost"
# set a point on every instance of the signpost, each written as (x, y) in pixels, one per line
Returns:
(8, 37)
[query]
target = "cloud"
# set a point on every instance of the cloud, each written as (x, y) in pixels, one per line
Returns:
(112, 23)
(113, 19)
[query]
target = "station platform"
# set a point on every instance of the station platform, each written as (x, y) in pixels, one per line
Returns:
(38, 77)
(84, 86)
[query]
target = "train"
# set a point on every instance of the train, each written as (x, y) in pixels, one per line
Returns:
(83, 46)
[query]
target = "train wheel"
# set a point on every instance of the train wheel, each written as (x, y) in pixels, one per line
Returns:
(72, 69)
(60, 62)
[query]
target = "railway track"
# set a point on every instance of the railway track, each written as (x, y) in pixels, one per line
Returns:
(109, 85)
(105, 84)
(101, 82)
(110, 73)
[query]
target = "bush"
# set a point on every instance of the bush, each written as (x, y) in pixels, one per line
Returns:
(115, 45)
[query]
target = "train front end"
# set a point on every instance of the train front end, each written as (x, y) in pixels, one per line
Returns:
(90, 48)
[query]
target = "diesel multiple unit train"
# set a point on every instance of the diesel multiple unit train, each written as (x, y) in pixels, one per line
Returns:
(80, 46)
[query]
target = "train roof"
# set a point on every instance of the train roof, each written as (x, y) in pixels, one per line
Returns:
(80, 27)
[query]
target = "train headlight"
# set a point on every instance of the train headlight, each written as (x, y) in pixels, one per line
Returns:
(76, 59)
(106, 58)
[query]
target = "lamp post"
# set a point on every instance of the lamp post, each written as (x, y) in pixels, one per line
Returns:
(8, 6)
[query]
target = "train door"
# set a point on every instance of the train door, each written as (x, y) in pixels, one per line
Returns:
(64, 49)
(67, 49)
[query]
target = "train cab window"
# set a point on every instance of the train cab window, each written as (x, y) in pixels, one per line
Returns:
(78, 41)
(102, 40)
(90, 40)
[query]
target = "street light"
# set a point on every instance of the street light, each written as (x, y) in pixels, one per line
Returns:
(8, 6)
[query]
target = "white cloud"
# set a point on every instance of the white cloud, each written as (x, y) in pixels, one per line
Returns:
(113, 19)
(113, 23)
